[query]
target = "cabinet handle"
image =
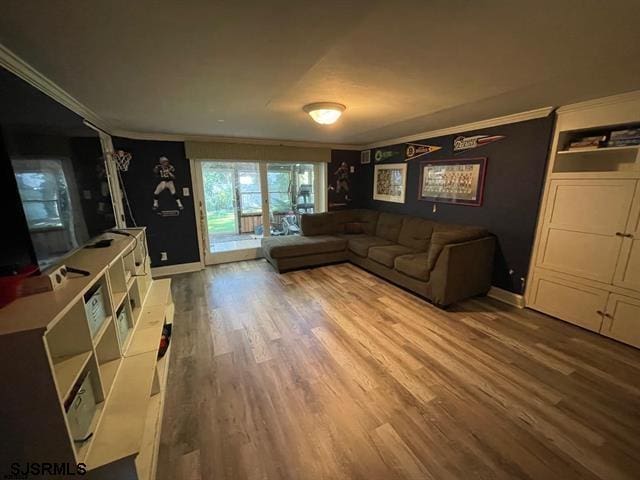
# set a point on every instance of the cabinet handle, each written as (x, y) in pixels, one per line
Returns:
(600, 312)
(626, 235)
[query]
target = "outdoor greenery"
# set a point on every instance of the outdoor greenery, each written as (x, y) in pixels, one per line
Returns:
(221, 179)
(221, 222)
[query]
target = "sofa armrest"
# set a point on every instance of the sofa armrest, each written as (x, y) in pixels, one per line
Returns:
(462, 270)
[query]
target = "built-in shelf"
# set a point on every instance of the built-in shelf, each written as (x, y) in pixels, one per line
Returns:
(118, 298)
(632, 148)
(606, 159)
(120, 432)
(103, 328)
(68, 369)
(108, 372)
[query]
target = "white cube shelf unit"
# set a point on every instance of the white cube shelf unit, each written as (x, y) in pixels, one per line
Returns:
(585, 267)
(47, 347)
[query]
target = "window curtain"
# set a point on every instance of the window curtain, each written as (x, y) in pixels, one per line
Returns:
(254, 152)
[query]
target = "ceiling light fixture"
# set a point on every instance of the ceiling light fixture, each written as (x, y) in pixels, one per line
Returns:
(324, 113)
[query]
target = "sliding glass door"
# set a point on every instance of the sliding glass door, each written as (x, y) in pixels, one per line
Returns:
(240, 202)
(291, 188)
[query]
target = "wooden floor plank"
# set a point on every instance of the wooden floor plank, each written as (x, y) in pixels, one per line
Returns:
(333, 373)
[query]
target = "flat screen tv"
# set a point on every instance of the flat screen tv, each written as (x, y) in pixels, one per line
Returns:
(58, 172)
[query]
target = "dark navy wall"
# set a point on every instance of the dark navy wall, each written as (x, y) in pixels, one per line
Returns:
(514, 181)
(175, 235)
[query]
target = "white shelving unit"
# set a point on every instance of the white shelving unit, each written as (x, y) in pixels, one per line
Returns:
(46, 347)
(585, 266)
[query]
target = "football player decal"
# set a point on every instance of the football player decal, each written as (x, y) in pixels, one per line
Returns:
(165, 174)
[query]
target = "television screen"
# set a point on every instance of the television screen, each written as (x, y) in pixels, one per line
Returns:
(59, 171)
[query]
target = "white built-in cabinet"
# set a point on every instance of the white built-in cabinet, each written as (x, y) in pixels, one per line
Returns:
(586, 259)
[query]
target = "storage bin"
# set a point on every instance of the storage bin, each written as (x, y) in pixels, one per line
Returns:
(94, 306)
(80, 408)
(123, 324)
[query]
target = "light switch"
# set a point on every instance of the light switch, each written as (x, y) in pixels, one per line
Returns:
(185, 191)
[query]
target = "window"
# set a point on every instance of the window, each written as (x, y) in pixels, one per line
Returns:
(249, 187)
(279, 188)
(43, 190)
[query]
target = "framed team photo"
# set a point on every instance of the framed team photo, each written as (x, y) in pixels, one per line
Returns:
(389, 182)
(459, 181)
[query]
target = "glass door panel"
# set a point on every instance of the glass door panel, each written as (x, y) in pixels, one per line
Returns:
(292, 192)
(232, 204)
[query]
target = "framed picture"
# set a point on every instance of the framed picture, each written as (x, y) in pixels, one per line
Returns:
(458, 181)
(365, 157)
(390, 182)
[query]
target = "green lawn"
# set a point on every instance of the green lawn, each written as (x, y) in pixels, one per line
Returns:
(221, 222)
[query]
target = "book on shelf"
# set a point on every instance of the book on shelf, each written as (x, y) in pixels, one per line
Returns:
(624, 138)
(588, 143)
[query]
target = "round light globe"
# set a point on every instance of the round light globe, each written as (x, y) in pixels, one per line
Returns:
(324, 113)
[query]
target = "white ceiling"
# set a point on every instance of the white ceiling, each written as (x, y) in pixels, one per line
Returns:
(246, 68)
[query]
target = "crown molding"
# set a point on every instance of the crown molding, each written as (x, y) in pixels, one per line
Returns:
(26, 72)
(170, 137)
(491, 122)
(601, 102)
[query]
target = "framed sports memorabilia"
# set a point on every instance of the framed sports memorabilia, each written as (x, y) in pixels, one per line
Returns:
(459, 181)
(390, 182)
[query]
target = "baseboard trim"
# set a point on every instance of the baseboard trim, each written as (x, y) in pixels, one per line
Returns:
(507, 297)
(176, 269)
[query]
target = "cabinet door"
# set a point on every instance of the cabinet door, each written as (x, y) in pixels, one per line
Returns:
(622, 320)
(580, 225)
(569, 301)
(627, 273)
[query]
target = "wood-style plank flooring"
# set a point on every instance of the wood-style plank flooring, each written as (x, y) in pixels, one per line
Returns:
(333, 373)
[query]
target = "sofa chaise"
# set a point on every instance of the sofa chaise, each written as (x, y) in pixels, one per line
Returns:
(441, 262)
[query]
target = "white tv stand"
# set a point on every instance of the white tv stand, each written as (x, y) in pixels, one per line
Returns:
(46, 345)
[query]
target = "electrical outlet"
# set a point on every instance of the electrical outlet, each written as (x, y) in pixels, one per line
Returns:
(185, 191)
(163, 256)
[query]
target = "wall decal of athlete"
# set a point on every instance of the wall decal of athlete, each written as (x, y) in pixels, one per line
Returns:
(165, 174)
(342, 181)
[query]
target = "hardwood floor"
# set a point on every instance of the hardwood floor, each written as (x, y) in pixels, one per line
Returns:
(333, 373)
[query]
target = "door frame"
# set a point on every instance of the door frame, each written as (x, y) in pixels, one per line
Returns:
(238, 255)
(208, 258)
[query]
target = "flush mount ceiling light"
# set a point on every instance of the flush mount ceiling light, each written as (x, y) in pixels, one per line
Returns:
(324, 113)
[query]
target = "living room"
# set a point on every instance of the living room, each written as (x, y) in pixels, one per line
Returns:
(367, 240)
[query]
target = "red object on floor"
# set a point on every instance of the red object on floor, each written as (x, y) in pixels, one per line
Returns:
(10, 285)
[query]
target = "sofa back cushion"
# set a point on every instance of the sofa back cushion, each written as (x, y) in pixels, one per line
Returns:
(318, 224)
(389, 226)
(416, 233)
(346, 220)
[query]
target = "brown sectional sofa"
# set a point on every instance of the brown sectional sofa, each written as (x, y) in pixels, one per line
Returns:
(441, 262)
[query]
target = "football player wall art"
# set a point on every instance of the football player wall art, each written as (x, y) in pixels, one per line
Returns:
(165, 174)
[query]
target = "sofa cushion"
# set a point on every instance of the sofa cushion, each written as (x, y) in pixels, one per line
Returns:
(360, 244)
(414, 265)
(444, 234)
(389, 226)
(367, 218)
(354, 228)
(318, 224)
(416, 233)
(387, 254)
(301, 245)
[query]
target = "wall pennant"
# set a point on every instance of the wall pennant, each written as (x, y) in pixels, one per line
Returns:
(461, 143)
(387, 153)
(415, 150)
